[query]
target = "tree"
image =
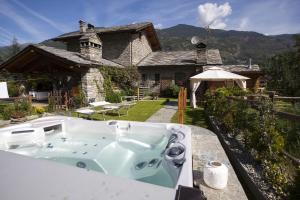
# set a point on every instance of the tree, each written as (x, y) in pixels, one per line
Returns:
(283, 71)
(14, 47)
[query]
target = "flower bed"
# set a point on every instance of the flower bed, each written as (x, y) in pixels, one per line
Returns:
(244, 164)
(251, 134)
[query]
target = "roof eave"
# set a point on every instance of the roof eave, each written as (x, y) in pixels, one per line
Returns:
(172, 65)
(43, 52)
(11, 59)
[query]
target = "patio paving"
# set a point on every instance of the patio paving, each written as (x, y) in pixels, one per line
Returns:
(205, 146)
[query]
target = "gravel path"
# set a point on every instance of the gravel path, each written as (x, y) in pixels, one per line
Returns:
(165, 114)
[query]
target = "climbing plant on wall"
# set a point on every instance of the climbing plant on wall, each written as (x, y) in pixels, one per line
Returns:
(124, 78)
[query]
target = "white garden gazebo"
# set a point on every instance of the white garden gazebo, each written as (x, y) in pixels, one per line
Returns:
(214, 74)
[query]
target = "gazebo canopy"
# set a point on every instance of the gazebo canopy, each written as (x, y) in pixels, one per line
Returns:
(217, 74)
(214, 74)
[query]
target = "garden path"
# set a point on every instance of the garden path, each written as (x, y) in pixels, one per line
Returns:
(165, 114)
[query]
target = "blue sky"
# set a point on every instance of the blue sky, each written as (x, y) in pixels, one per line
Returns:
(37, 20)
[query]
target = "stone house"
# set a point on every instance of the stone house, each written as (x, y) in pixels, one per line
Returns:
(75, 64)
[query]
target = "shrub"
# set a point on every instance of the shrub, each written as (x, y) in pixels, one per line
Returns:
(2, 107)
(7, 112)
(110, 95)
(171, 91)
(39, 109)
(255, 124)
(79, 100)
(23, 104)
(275, 172)
(13, 89)
(20, 108)
(128, 92)
(113, 97)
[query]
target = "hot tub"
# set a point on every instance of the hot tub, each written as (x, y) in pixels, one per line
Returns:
(156, 153)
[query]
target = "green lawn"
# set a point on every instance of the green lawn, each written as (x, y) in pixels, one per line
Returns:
(287, 107)
(139, 112)
(192, 117)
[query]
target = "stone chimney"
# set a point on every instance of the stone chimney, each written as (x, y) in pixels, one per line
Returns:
(82, 26)
(90, 27)
(201, 53)
(90, 44)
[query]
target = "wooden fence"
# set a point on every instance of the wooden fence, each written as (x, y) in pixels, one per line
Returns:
(181, 104)
(59, 100)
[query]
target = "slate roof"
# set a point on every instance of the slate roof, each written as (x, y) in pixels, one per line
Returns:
(129, 27)
(165, 58)
(75, 57)
(236, 68)
(87, 36)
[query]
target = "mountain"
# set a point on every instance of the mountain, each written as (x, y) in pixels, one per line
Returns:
(236, 47)
(5, 51)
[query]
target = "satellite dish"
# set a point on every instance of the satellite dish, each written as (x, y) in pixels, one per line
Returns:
(195, 40)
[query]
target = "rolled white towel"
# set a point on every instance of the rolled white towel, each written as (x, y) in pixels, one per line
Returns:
(215, 174)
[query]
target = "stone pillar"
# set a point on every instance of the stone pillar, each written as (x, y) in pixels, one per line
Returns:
(92, 85)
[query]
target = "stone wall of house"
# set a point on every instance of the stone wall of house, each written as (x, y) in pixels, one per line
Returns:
(116, 47)
(123, 48)
(92, 84)
(140, 47)
(167, 76)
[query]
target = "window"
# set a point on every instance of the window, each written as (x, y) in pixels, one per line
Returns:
(157, 78)
(144, 77)
(180, 78)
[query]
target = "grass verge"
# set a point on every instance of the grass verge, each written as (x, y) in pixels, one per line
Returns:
(192, 117)
(287, 107)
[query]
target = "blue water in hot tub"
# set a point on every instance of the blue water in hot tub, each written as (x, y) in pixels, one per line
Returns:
(137, 156)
